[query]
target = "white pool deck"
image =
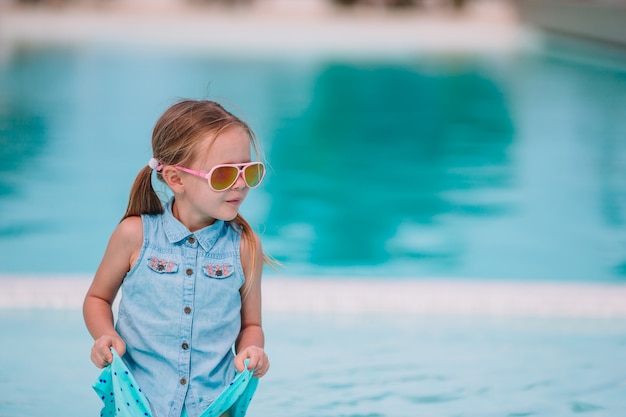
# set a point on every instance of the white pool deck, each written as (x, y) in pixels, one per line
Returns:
(303, 27)
(340, 295)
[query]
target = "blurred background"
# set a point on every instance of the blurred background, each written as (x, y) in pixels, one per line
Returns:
(446, 193)
(436, 138)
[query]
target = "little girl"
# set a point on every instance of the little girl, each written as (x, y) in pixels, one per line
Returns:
(189, 270)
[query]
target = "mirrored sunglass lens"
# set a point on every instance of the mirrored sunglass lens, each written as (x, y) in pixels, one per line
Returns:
(253, 174)
(224, 177)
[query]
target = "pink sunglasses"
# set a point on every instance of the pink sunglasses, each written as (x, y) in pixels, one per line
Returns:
(222, 177)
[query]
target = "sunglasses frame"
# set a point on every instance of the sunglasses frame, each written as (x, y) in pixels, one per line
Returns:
(240, 173)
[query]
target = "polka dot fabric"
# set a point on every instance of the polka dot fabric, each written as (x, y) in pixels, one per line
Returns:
(119, 392)
(236, 397)
(122, 397)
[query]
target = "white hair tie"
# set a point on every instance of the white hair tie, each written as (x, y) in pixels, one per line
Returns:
(154, 164)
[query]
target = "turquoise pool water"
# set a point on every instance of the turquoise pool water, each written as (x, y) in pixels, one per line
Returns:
(359, 366)
(505, 167)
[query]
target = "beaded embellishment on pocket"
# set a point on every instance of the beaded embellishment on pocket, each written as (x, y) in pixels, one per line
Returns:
(218, 271)
(162, 266)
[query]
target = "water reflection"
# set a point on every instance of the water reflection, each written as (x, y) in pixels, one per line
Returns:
(383, 152)
(572, 103)
(24, 137)
(465, 167)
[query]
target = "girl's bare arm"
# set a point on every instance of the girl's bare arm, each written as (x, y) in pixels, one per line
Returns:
(121, 253)
(251, 340)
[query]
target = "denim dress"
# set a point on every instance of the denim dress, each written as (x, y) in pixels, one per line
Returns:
(180, 313)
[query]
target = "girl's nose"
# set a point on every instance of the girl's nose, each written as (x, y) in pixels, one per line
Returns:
(240, 182)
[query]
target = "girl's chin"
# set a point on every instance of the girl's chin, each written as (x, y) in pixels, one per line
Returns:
(229, 216)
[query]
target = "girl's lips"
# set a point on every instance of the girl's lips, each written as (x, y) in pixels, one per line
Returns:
(235, 199)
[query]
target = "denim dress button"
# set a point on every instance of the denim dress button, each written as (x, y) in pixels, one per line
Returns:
(187, 310)
(191, 240)
(185, 345)
(189, 271)
(183, 381)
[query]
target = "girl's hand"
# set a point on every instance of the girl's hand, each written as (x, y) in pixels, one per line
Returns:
(101, 354)
(258, 360)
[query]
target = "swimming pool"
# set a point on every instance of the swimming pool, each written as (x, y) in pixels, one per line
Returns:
(359, 365)
(353, 348)
(429, 165)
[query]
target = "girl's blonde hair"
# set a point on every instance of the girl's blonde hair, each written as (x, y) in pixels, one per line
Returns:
(175, 140)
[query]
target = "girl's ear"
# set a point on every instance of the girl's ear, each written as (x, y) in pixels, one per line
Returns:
(173, 179)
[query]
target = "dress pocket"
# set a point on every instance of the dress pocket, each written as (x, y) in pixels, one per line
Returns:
(218, 270)
(162, 266)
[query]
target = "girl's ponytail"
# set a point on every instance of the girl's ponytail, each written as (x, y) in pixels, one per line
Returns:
(143, 199)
